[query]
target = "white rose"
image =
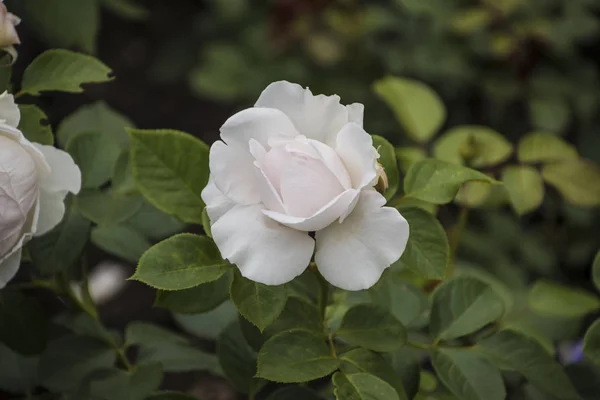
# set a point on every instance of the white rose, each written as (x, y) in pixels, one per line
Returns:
(297, 163)
(8, 32)
(34, 181)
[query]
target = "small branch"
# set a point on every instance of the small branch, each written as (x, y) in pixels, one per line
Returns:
(420, 346)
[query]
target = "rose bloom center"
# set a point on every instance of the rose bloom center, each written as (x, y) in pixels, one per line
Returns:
(305, 173)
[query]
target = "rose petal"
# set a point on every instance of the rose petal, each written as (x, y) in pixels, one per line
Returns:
(52, 210)
(65, 175)
(263, 250)
(337, 207)
(216, 203)
(256, 123)
(307, 185)
(9, 111)
(355, 148)
(317, 117)
(232, 169)
(355, 113)
(353, 255)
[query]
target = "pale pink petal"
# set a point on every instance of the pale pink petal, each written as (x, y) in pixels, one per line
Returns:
(52, 210)
(232, 169)
(9, 111)
(307, 185)
(256, 123)
(268, 194)
(353, 255)
(333, 163)
(317, 117)
(355, 147)
(263, 250)
(65, 175)
(355, 113)
(216, 203)
(340, 205)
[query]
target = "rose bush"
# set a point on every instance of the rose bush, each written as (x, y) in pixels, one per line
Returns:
(298, 163)
(34, 181)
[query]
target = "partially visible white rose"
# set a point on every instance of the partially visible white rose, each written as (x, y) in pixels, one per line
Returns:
(8, 32)
(297, 163)
(34, 181)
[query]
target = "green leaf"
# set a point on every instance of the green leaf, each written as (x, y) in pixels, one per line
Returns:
(362, 386)
(128, 385)
(25, 323)
(60, 248)
(427, 252)
(34, 125)
(297, 314)
(105, 208)
(591, 342)
(480, 145)
(69, 359)
(174, 352)
(200, 299)
(99, 117)
(514, 351)
(294, 393)
(85, 325)
(64, 71)
(363, 360)
(463, 305)
(62, 23)
(237, 359)
(372, 327)
(96, 155)
(120, 241)
(208, 325)
(471, 20)
(475, 194)
(543, 147)
(206, 223)
(153, 223)
(438, 182)
(577, 180)
(406, 364)
(295, 356)
(416, 106)
(17, 372)
(467, 374)
(549, 113)
(525, 187)
(407, 156)
(122, 181)
(258, 303)
(406, 302)
(550, 298)
(388, 160)
(596, 271)
(170, 169)
(181, 262)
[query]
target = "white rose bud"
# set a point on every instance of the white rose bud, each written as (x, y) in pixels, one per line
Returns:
(297, 163)
(34, 181)
(8, 32)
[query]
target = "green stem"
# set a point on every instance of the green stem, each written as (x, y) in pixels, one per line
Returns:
(323, 302)
(87, 305)
(457, 232)
(420, 346)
